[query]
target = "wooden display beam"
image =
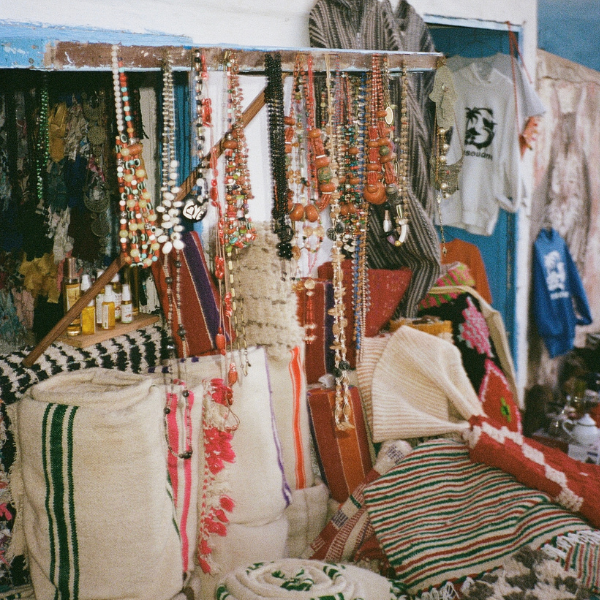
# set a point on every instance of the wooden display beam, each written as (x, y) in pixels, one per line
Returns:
(65, 56)
(101, 335)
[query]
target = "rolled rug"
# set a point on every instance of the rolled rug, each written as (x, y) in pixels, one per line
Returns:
(299, 579)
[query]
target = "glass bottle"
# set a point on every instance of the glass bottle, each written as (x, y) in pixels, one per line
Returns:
(88, 314)
(71, 293)
(108, 308)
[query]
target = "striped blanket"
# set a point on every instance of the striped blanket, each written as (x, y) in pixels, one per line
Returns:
(440, 517)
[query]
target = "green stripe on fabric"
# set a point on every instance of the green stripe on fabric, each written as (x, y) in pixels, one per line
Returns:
(59, 438)
(49, 489)
(72, 520)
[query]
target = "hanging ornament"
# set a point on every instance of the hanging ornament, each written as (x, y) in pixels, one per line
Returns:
(137, 216)
(196, 206)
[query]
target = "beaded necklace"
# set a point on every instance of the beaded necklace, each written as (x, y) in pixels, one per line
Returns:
(137, 217)
(343, 409)
(42, 153)
(237, 231)
(304, 213)
(400, 225)
(277, 145)
(179, 398)
(196, 206)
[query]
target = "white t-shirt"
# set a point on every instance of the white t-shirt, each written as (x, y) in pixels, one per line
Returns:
(489, 143)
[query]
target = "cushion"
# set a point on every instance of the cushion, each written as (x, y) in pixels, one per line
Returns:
(386, 290)
(571, 483)
(349, 527)
(91, 484)
(439, 516)
(473, 337)
(200, 312)
(287, 381)
(420, 388)
(344, 456)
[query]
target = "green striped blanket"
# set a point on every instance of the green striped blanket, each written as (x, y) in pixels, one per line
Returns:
(440, 517)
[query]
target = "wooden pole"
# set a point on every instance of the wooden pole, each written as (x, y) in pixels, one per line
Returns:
(90, 294)
(253, 109)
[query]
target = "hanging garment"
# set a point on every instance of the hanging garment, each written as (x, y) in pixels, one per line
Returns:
(530, 104)
(559, 299)
(372, 25)
(469, 254)
(488, 142)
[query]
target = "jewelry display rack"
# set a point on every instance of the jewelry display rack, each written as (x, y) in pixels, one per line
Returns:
(74, 56)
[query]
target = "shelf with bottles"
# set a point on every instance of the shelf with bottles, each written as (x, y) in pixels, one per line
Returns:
(101, 335)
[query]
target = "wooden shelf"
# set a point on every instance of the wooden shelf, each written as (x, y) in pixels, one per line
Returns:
(101, 335)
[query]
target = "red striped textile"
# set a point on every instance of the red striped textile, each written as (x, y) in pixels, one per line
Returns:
(313, 311)
(298, 390)
(386, 288)
(344, 456)
(440, 517)
(200, 305)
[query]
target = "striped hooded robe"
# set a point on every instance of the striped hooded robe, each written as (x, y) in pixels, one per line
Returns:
(372, 25)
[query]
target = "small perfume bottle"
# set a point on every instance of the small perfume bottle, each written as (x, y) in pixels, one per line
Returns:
(108, 308)
(71, 293)
(99, 301)
(126, 305)
(88, 314)
(117, 293)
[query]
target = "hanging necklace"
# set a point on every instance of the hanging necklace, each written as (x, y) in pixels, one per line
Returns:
(237, 229)
(398, 232)
(277, 145)
(137, 217)
(343, 409)
(196, 207)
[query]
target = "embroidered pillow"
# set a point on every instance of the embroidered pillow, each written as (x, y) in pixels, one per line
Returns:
(497, 399)
(344, 456)
(573, 484)
(471, 335)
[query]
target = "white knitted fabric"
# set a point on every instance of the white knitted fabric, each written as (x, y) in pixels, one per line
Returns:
(91, 486)
(420, 388)
(372, 349)
(270, 303)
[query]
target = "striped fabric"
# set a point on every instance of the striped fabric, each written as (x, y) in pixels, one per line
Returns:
(349, 527)
(344, 456)
(313, 311)
(440, 517)
(580, 552)
(372, 25)
(57, 460)
(200, 311)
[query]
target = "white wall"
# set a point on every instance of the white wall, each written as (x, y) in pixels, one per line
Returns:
(284, 23)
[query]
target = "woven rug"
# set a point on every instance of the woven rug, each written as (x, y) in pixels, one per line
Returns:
(529, 574)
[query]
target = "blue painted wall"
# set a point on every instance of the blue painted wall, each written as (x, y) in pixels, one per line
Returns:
(570, 29)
